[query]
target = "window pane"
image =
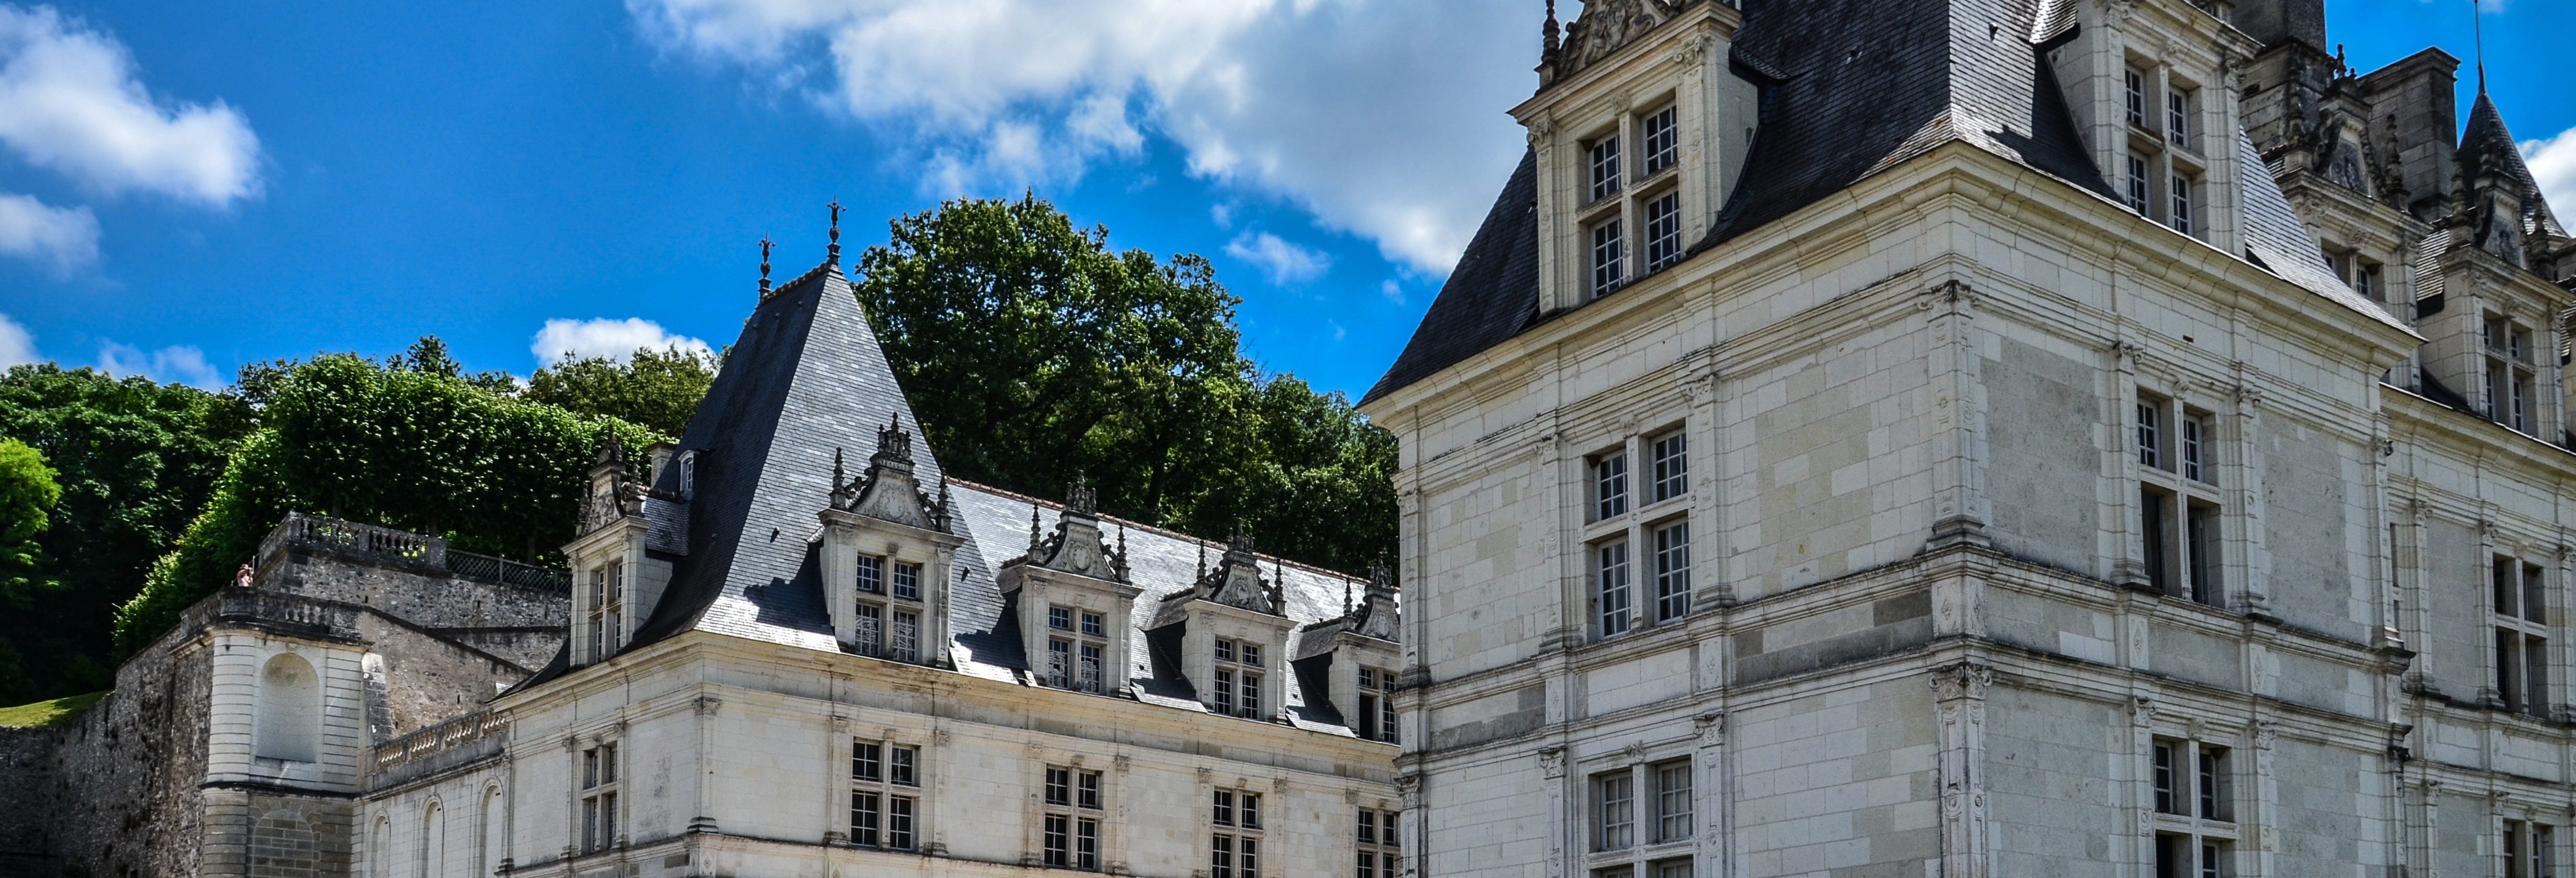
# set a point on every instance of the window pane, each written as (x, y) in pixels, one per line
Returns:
(907, 581)
(866, 762)
(1662, 144)
(1609, 257)
(1090, 797)
(2201, 538)
(1614, 800)
(863, 819)
(1672, 467)
(1664, 231)
(899, 823)
(1672, 572)
(1605, 167)
(1613, 576)
(2167, 795)
(1610, 486)
(1673, 802)
(904, 760)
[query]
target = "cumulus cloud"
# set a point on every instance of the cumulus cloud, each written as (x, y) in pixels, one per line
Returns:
(17, 345)
(1382, 118)
(1284, 263)
(614, 339)
(70, 100)
(63, 238)
(182, 364)
(2553, 164)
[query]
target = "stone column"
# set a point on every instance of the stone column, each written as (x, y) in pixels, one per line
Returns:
(1715, 790)
(705, 820)
(1551, 764)
(1959, 694)
(1958, 415)
(2246, 484)
(2264, 840)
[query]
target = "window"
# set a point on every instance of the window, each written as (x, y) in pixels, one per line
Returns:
(1376, 714)
(904, 642)
(1672, 802)
(2138, 184)
(1611, 582)
(2367, 280)
(1672, 571)
(2136, 93)
(598, 798)
(907, 581)
(1672, 466)
(1235, 845)
(2194, 820)
(1071, 823)
(2182, 536)
(1610, 486)
(1379, 855)
(2178, 116)
(871, 574)
(2509, 373)
(1238, 678)
(2182, 213)
(2521, 636)
(1663, 145)
(871, 629)
(607, 609)
(1605, 167)
(1077, 661)
(1609, 257)
(1664, 230)
(884, 780)
(2530, 849)
(1614, 811)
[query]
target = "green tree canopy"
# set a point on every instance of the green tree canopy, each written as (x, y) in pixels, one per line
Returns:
(657, 389)
(134, 460)
(422, 449)
(27, 496)
(1032, 352)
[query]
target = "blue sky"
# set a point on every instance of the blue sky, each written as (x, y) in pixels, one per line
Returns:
(188, 187)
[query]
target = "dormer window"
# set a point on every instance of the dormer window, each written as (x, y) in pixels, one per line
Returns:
(607, 609)
(1238, 675)
(1605, 167)
(1076, 658)
(2510, 382)
(885, 545)
(2178, 116)
(1661, 131)
(1609, 257)
(2135, 91)
(1664, 230)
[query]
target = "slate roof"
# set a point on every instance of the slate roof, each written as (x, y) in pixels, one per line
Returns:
(806, 379)
(1850, 88)
(2486, 141)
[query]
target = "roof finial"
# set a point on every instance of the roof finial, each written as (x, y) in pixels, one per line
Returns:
(1549, 31)
(834, 253)
(1033, 531)
(1346, 597)
(2477, 16)
(764, 267)
(1202, 558)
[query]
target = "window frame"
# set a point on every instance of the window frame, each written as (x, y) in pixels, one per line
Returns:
(2520, 663)
(2194, 805)
(1655, 828)
(898, 612)
(2180, 457)
(597, 797)
(1377, 843)
(1071, 809)
(1235, 832)
(886, 774)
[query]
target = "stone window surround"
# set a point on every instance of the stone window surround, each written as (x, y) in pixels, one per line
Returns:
(2506, 807)
(577, 749)
(2187, 744)
(1385, 843)
(1210, 622)
(1640, 763)
(2151, 143)
(2496, 546)
(1637, 526)
(1636, 188)
(1074, 637)
(887, 739)
(1112, 849)
(2229, 423)
(2175, 417)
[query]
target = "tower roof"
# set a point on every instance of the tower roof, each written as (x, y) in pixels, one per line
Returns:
(2488, 148)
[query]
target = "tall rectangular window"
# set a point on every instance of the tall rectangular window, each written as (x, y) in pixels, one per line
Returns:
(2178, 117)
(1235, 845)
(598, 798)
(1672, 571)
(1376, 714)
(2521, 635)
(871, 574)
(1610, 486)
(2151, 433)
(1664, 230)
(1609, 257)
(2530, 849)
(2195, 448)
(1071, 831)
(2155, 521)
(1611, 573)
(2138, 184)
(1672, 802)
(1605, 167)
(907, 581)
(870, 633)
(2200, 545)
(2134, 91)
(903, 642)
(1663, 143)
(2195, 826)
(1238, 678)
(2182, 205)
(1671, 453)
(1378, 853)
(2178, 500)
(1614, 811)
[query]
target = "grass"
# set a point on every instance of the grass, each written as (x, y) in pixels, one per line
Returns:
(46, 713)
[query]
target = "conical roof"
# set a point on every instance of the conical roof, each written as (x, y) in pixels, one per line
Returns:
(2488, 148)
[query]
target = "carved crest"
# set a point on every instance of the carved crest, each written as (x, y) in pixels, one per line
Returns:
(1078, 546)
(615, 492)
(1605, 27)
(1237, 581)
(889, 490)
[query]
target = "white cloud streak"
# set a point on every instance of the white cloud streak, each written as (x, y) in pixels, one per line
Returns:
(17, 345)
(70, 101)
(614, 339)
(1282, 262)
(181, 364)
(60, 238)
(2553, 165)
(1381, 118)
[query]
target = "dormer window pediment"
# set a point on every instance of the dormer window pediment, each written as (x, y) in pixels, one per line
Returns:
(890, 489)
(888, 554)
(1073, 598)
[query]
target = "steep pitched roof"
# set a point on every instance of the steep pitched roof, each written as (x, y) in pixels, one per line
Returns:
(805, 380)
(2486, 147)
(1855, 87)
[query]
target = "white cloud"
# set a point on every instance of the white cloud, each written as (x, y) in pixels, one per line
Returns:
(2553, 164)
(63, 238)
(70, 101)
(1394, 292)
(1284, 263)
(614, 339)
(182, 364)
(1382, 118)
(17, 345)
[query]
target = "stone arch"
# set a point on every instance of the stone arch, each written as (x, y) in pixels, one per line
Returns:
(434, 859)
(289, 716)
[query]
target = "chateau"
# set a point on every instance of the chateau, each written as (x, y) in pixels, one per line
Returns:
(1991, 437)
(1867, 438)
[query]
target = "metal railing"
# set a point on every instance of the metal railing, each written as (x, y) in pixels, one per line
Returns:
(404, 547)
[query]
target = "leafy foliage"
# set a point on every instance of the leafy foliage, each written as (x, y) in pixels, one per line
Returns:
(657, 389)
(1033, 352)
(406, 444)
(134, 460)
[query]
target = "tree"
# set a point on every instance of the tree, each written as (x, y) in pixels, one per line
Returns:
(133, 460)
(657, 389)
(27, 496)
(421, 449)
(1033, 353)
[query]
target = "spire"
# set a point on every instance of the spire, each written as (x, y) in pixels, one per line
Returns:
(838, 478)
(764, 267)
(1033, 531)
(833, 254)
(2478, 18)
(1550, 34)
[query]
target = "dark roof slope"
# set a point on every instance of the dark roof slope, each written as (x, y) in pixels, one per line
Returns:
(1861, 85)
(805, 379)
(2487, 147)
(1491, 295)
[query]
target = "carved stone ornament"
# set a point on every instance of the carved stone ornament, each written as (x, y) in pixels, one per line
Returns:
(1962, 680)
(1710, 728)
(1606, 27)
(1078, 546)
(1551, 762)
(889, 490)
